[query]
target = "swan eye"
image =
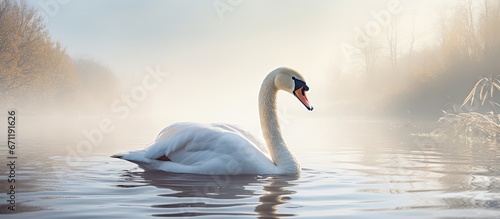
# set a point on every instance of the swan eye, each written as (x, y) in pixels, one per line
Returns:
(300, 84)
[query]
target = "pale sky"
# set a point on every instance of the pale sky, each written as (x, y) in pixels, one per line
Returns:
(227, 58)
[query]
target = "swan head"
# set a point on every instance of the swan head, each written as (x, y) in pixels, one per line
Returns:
(293, 82)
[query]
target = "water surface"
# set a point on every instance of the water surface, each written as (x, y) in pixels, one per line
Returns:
(351, 168)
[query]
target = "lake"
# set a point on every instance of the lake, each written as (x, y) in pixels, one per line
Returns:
(351, 168)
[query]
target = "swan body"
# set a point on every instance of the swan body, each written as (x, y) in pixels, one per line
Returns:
(223, 149)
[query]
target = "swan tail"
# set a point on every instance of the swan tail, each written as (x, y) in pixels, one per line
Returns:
(134, 156)
(119, 156)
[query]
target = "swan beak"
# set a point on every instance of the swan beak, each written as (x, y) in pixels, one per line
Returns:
(301, 95)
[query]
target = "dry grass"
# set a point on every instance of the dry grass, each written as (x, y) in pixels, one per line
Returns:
(485, 87)
(473, 125)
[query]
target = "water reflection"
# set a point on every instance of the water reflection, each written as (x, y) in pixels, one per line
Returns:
(277, 192)
(209, 195)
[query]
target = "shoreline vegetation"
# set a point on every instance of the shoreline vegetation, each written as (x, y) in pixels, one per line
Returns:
(472, 125)
(421, 81)
(38, 76)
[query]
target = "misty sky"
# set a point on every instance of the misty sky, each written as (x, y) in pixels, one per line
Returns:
(208, 55)
(127, 35)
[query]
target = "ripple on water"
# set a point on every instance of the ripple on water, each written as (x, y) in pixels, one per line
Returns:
(372, 176)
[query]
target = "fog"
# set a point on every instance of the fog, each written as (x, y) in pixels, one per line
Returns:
(406, 107)
(358, 57)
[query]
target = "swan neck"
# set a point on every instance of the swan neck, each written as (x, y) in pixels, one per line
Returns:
(271, 130)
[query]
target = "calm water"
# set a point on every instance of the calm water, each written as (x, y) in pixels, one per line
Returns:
(352, 168)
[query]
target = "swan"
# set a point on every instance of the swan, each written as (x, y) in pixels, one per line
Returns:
(223, 149)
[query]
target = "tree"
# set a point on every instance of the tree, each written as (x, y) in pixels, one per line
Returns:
(98, 86)
(489, 28)
(23, 41)
(392, 42)
(410, 49)
(32, 66)
(370, 54)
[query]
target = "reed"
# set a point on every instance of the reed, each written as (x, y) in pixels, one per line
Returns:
(485, 88)
(470, 125)
(473, 125)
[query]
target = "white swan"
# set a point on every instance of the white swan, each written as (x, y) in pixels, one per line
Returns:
(221, 149)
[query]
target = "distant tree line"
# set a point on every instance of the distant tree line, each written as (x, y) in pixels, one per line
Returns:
(401, 79)
(36, 73)
(469, 49)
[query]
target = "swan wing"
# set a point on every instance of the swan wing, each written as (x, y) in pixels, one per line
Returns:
(243, 133)
(197, 148)
(172, 138)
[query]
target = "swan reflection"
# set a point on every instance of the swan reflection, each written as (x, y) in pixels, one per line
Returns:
(199, 195)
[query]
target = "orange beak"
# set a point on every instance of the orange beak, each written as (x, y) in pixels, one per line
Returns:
(301, 95)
